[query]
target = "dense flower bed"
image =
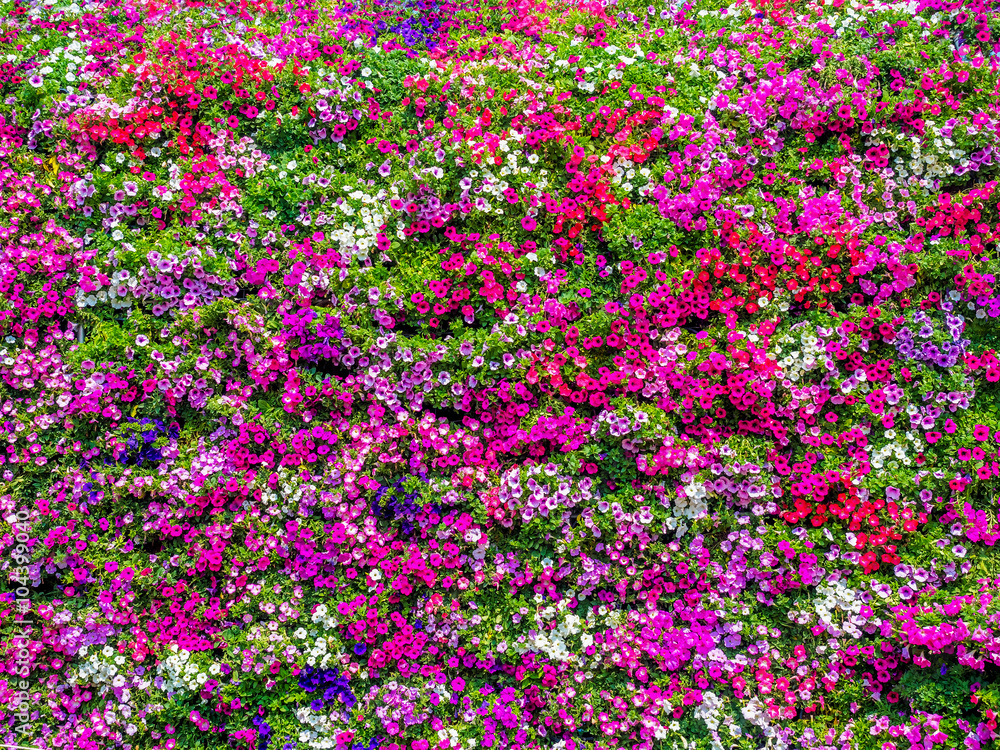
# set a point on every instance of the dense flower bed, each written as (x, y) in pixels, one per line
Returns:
(454, 374)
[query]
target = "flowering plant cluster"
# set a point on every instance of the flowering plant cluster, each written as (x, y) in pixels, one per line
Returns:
(444, 374)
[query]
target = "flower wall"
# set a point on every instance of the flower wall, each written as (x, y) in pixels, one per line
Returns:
(528, 374)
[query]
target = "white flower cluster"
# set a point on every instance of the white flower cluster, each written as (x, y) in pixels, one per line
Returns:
(709, 710)
(180, 673)
(451, 736)
(893, 453)
(755, 713)
(285, 498)
(319, 653)
(625, 173)
(692, 500)
(802, 355)
(321, 728)
(857, 14)
(357, 234)
(120, 291)
(556, 642)
(101, 668)
(75, 61)
(834, 598)
(322, 617)
(932, 156)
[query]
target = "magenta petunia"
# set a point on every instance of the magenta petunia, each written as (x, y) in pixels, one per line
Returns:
(308, 441)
